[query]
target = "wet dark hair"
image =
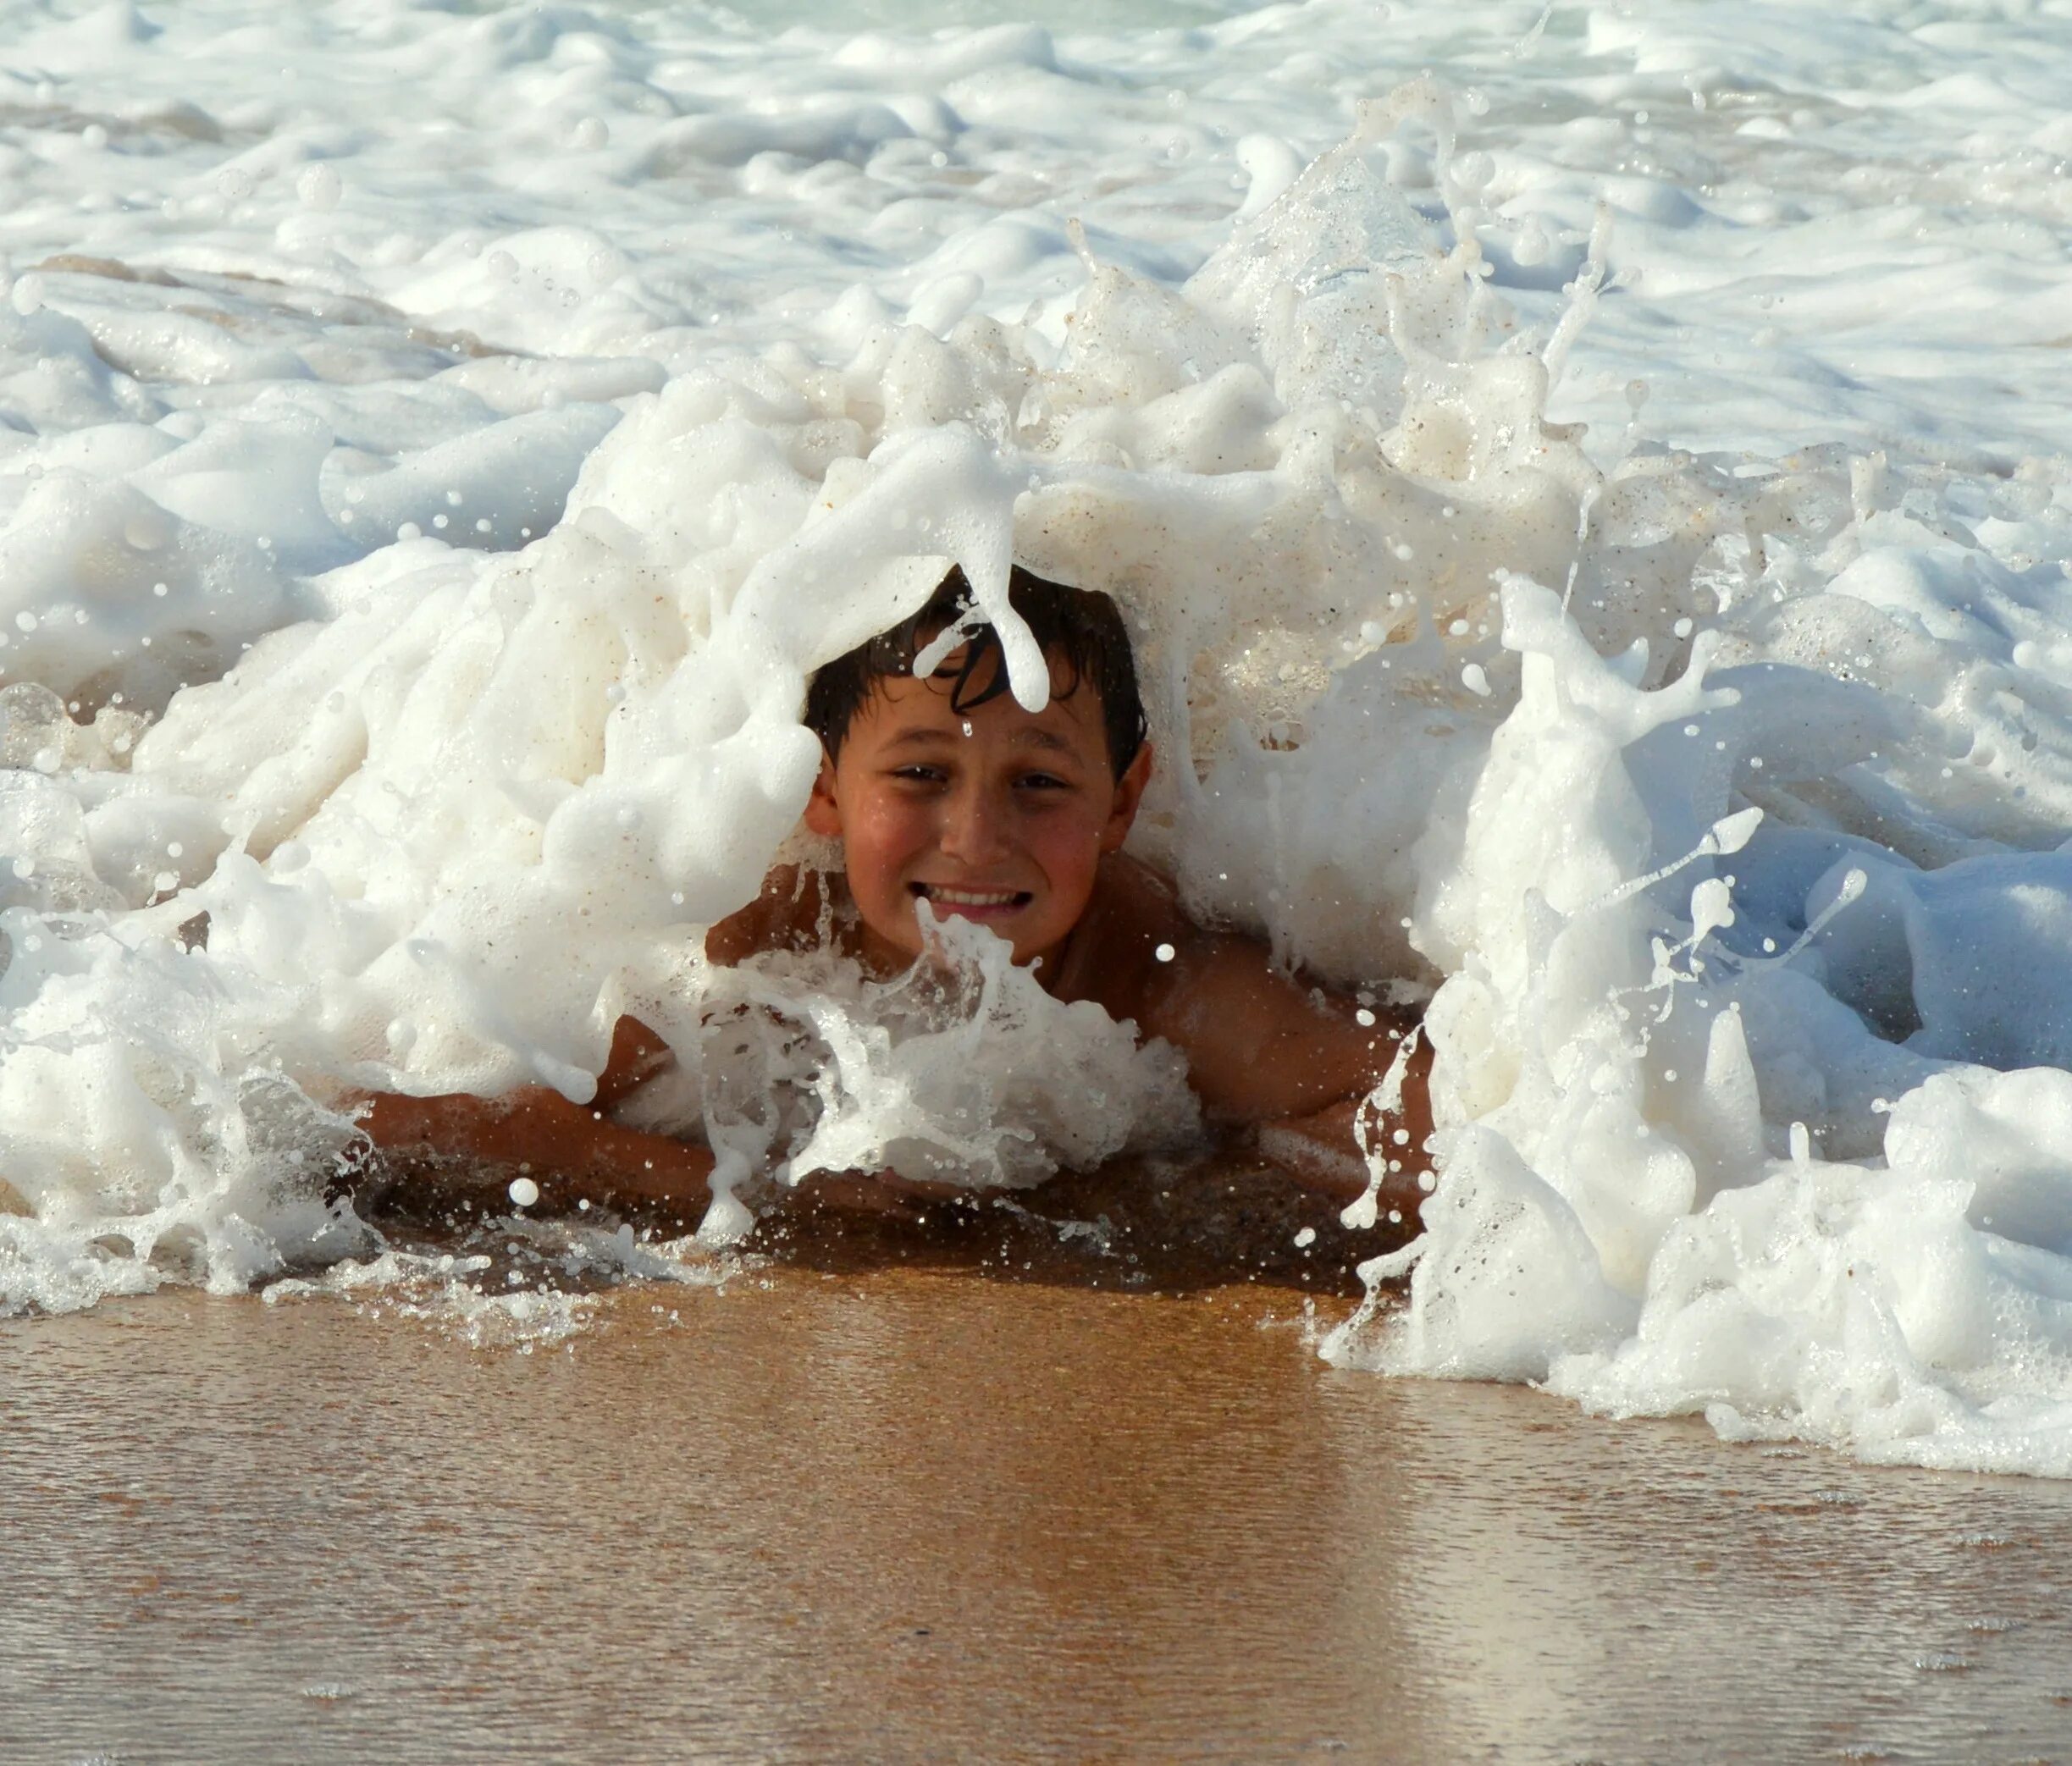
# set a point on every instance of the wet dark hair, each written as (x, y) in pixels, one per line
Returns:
(1077, 627)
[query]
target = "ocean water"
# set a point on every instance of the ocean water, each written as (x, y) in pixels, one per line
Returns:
(1590, 484)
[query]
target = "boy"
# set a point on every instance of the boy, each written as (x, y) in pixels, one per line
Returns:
(943, 789)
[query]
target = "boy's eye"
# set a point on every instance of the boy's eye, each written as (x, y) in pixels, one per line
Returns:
(1044, 782)
(918, 774)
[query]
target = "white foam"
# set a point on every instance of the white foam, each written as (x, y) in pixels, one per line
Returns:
(971, 1075)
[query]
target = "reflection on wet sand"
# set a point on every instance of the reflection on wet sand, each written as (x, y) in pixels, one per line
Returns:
(900, 1514)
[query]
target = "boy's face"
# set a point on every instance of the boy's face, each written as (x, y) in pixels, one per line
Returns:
(996, 814)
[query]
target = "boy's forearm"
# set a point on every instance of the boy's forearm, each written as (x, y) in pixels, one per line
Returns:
(1322, 1151)
(1318, 1150)
(572, 1153)
(1322, 1147)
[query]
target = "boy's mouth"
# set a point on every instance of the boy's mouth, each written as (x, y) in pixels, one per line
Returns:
(979, 899)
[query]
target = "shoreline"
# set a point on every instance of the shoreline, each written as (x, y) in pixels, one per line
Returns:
(896, 1514)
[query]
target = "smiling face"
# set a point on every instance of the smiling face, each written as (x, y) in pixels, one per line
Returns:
(995, 814)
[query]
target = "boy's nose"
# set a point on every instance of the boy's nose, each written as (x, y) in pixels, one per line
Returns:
(974, 830)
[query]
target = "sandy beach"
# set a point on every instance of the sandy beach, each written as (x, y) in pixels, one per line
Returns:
(924, 1515)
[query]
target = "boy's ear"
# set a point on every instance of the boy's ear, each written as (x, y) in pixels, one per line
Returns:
(823, 814)
(1128, 793)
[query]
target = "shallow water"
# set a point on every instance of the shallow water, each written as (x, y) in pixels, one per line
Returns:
(905, 1516)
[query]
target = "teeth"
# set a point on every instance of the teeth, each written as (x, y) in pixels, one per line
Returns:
(971, 897)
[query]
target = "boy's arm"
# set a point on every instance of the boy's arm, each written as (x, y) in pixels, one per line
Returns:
(1294, 1060)
(573, 1151)
(1322, 1147)
(1260, 1045)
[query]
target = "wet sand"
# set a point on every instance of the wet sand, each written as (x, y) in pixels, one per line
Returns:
(912, 1515)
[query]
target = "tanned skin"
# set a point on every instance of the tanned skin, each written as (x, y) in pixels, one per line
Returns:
(1016, 820)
